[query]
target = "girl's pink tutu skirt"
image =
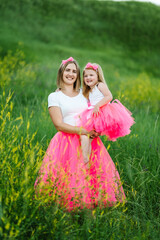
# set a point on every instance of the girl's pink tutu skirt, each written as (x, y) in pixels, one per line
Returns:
(64, 178)
(113, 120)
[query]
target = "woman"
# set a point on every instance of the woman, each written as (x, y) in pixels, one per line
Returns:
(63, 174)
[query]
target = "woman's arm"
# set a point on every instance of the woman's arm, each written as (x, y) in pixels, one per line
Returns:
(107, 96)
(56, 116)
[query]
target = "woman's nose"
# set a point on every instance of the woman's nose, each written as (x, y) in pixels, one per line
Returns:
(71, 73)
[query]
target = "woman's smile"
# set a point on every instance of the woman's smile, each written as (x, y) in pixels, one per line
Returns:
(70, 74)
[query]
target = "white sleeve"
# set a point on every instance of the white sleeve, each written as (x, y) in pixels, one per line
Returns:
(53, 100)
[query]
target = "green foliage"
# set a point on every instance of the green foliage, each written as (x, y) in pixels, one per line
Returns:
(14, 71)
(24, 216)
(27, 76)
(133, 25)
(141, 92)
(20, 160)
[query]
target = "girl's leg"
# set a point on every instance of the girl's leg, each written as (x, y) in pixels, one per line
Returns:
(86, 149)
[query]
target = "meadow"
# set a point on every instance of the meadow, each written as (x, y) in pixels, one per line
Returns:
(34, 38)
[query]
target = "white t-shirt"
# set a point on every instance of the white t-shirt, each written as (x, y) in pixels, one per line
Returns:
(70, 106)
(95, 96)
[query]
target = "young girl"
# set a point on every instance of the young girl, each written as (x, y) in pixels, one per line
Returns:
(107, 118)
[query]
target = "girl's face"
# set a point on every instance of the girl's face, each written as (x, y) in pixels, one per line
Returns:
(90, 77)
(70, 74)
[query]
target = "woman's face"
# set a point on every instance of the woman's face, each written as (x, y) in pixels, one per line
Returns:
(70, 74)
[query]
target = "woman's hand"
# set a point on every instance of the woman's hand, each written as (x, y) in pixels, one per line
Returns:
(57, 119)
(93, 134)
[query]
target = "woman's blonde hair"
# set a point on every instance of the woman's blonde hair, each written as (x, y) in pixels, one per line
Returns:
(87, 89)
(61, 70)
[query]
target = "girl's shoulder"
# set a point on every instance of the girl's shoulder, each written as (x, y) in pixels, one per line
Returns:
(100, 85)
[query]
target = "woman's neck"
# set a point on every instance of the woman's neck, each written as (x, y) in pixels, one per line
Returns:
(69, 90)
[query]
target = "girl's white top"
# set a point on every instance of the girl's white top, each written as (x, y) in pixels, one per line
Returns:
(70, 106)
(95, 96)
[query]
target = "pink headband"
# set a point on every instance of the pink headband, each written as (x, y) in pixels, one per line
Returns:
(67, 60)
(90, 65)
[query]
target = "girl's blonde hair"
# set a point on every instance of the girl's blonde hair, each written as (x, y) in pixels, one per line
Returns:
(61, 70)
(87, 89)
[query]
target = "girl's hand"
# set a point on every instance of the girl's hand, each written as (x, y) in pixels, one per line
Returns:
(95, 110)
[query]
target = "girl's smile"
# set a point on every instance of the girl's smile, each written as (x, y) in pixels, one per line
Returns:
(90, 77)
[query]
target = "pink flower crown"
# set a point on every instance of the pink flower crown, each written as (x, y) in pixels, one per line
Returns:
(90, 65)
(67, 60)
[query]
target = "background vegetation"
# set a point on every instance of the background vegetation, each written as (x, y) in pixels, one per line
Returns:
(34, 38)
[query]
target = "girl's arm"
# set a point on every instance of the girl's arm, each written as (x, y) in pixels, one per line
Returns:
(107, 97)
(56, 116)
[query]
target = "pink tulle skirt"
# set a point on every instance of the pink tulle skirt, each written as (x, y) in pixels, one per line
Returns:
(113, 120)
(64, 177)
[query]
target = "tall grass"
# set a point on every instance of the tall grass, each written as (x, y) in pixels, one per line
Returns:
(23, 143)
(26, 129)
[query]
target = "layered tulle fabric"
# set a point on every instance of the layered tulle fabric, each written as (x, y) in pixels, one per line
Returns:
(113, 120)
(64, 177)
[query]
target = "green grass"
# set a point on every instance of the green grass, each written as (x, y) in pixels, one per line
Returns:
(123, 39)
